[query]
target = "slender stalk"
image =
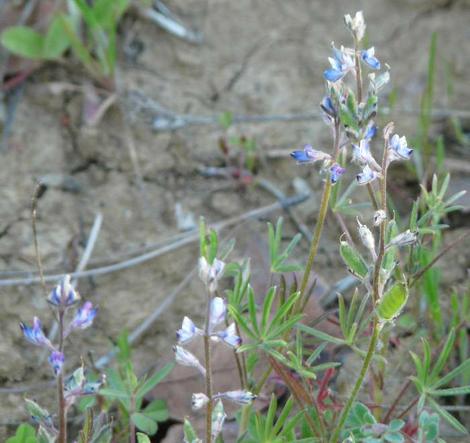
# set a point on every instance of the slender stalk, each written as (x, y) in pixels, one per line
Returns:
(62, 437)
(321, 220)
(376, 293)
(208, 364)
(132, 429)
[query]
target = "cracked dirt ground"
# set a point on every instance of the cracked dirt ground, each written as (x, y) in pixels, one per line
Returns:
(258, 57)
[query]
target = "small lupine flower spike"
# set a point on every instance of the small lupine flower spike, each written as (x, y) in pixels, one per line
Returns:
(366, 176)
(35, 334)
(398, 148)
(210, 274)
(63, 294)
(341, 64)
(56, 360)
(230, 337)
(199, 400)
(185, 358)
(187, 332)
(336, 171)
(309, 155)
(218, 310)
(84, 316)
(356, 25)
(240, 397)
(368, 57)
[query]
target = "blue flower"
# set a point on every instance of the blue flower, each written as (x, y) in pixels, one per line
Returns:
(398, 148)
(218, 309)
(35, 334)
(63, 294)
(56, 360)
(366, 176)
(368, 57)
(341, 64)
(363, 156)
(230, 337)
(336, 171)
(370, 131)
(84, 316)
(328, 107)
(309, 155)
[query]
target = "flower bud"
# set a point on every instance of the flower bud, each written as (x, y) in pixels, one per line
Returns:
(210, 274)
(218, 310)
(367, 239)
(240, 397)
(84, 316)
(379, 217)
(185, 358)
(35, 334)
(356, 25)
(199, 400)
(404, 239)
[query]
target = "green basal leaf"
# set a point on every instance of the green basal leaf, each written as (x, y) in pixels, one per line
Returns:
(23, 41)
(56, 41)
(392, 302)
(142, 438)
(353, 260)
(144, 423)
(25, 433)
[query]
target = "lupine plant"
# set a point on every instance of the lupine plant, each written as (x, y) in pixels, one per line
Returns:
(62, 299)
(277, 345)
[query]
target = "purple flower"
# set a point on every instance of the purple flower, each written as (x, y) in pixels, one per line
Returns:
(230, 337)
(341, 63)
(336, 171)
(56, 360)
(368, 57)
(63, 294)
(366, 176)
(398, 148)
(218, 310)
(84, 316)
(187, 332)
(327, 106)
(309, 155)
(35, 334)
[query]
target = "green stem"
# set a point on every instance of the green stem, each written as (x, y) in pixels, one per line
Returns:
(358, 385)
(207, 356)
(62, 437)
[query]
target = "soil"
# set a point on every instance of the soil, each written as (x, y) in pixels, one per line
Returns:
(258, 57)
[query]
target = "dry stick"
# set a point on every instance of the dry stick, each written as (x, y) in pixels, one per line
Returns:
(444, 251)
(189, 238)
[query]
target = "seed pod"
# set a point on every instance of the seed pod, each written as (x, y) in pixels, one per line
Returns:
(392, 302)
(353, 260)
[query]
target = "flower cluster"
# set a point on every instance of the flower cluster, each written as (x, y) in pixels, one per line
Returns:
(62, 297)
(210, 275)
(344, 109)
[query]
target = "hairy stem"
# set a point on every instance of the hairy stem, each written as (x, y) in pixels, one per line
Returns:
(208, 364)
(62, 437)
(376, 293)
